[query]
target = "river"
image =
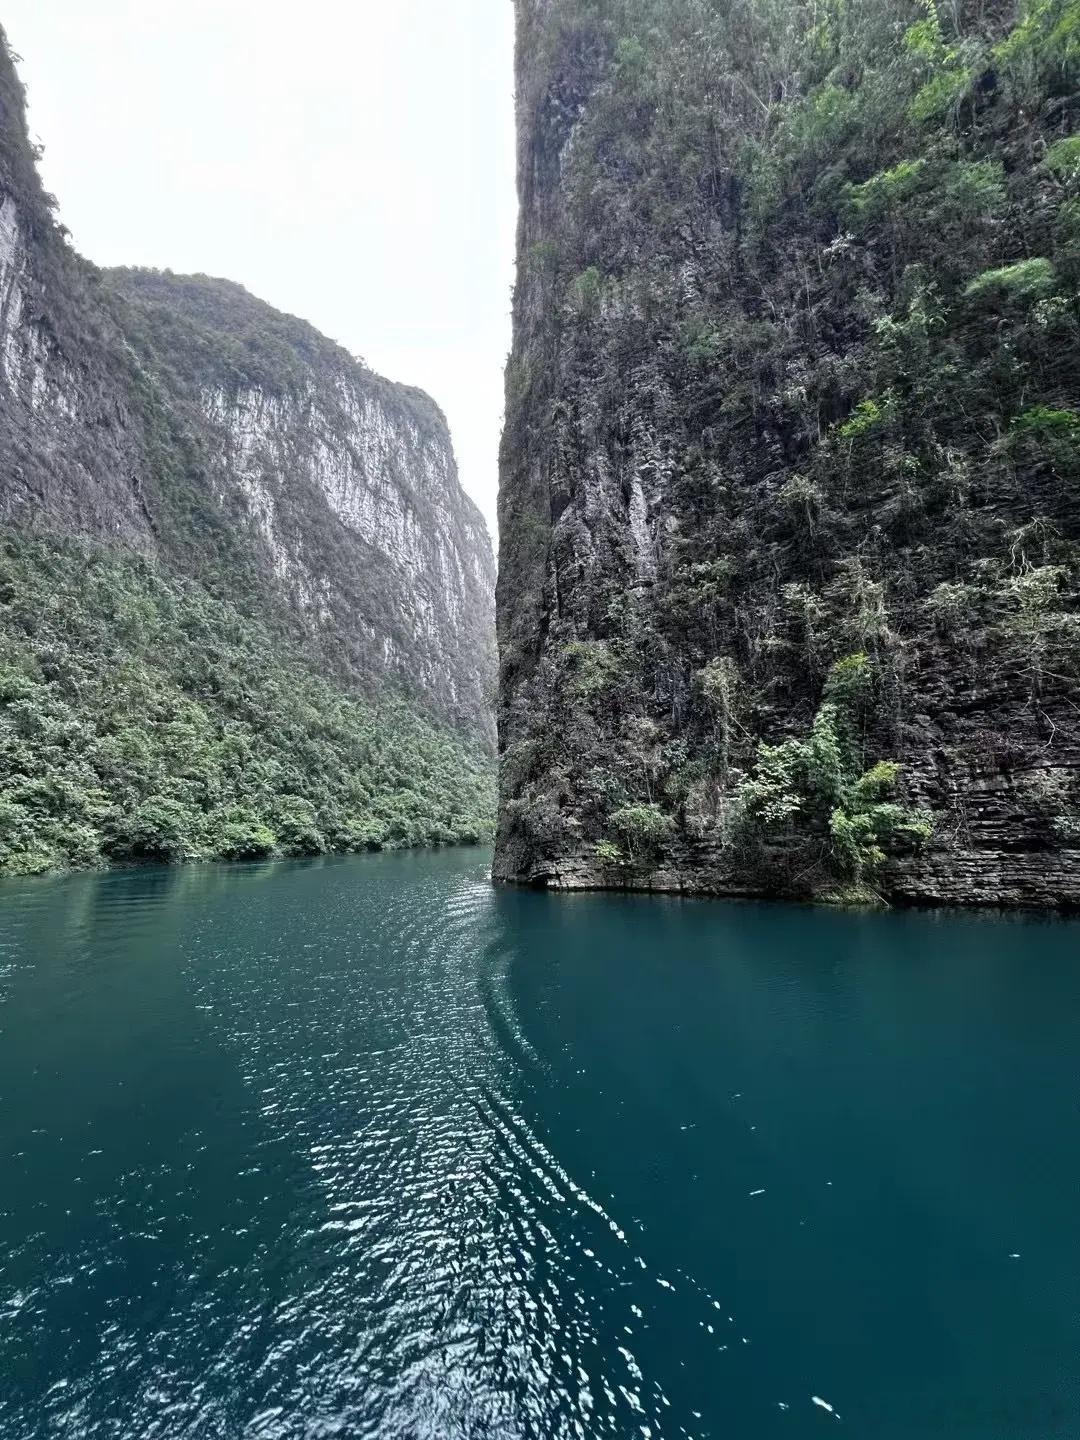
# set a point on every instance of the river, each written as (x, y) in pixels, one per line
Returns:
(365, 1147)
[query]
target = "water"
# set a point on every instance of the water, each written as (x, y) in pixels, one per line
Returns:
(365, 1148)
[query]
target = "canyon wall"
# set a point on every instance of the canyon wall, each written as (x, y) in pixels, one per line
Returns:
(790, 506)
(246, 608)
(184, 418)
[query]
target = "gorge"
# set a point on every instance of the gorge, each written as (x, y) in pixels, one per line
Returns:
(245, 605)
(327, 1112)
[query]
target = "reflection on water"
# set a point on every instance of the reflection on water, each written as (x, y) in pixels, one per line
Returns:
(367, 1148)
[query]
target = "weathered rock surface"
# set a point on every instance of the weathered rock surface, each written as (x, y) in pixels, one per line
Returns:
(787, 386)
(184, 418)
(345, 482)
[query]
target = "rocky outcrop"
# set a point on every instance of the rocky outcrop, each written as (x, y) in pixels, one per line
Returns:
(183, 418)
(70, 447)
(344, 482)
(789, 520)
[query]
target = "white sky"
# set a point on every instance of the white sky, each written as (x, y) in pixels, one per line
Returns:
(350, 161)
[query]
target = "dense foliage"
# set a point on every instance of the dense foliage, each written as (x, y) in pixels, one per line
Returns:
(796, 376)
(143, 719)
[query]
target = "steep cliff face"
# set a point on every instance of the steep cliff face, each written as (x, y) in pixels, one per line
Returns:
(245, 605)
(70, 445)
(184, 417)
(789, 512)
(345, 483)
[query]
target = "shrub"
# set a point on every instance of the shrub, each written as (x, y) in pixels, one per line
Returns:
(244, 837)
(884, 192)
(850, 681)
(544, 257)
(296, 827)
(817, 783)
(1063, 158)
(644, 827)
(585, 291)
(973, 189)
(630, 57)
(869, 415)
(159, 829)
(773, 795)
(592, 666)
(940, 95)
(1026, 281)
(1046, 422)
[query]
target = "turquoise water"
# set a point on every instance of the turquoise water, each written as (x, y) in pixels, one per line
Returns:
(366, 1148)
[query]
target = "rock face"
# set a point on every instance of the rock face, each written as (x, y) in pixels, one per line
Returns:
(185, 419)
(790, 506)
(344, 483)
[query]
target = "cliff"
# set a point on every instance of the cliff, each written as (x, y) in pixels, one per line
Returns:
(789, 511)
(344, 485)
(288, 531)
(184, 417)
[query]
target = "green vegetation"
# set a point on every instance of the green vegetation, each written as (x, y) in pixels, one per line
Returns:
(799, 383)
(143, 719)
(868, 415)
(586, 290)
(820, 785)
(592, 668)
(214, 332)
(1063, 157)
(643, 827)
(885, 192)
(1026, 280)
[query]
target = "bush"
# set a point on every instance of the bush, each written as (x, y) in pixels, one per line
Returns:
(1027, 281)
(244, 837)
(1044, 421)
(868, 415)
(296, 827)
(585, 291)
(643, 827)
(1063, 158)
(884, 192)
(159, 829)
(143, 719)
(850, 681)
(817, 784)
(592, 666)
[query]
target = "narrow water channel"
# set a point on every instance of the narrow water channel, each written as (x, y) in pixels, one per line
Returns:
(367, 1148)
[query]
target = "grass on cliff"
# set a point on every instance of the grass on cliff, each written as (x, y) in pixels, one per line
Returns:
(142, 719)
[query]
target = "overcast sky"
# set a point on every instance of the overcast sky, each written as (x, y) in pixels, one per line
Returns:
(350, 161)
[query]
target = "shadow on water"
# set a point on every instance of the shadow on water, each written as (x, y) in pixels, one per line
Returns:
(365, 1147)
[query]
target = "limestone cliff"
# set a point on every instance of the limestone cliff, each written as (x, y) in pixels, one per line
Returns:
(344, 482)
(790, 531)
(187, 419)
(245, 606)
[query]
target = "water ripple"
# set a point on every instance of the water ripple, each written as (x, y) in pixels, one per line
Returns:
(279, 1172)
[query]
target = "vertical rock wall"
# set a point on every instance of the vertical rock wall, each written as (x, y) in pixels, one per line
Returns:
(792, 452)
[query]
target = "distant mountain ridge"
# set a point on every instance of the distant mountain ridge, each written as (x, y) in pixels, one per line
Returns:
(181, 424)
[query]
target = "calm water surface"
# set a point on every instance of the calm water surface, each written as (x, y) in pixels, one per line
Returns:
(365, 1148)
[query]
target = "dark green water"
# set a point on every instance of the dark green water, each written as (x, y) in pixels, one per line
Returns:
(366, 1148)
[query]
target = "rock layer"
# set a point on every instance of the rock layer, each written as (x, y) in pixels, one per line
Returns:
(181, 417)
(794, 378)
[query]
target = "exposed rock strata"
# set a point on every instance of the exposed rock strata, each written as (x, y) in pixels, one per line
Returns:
(761, 416)
(184, 418)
